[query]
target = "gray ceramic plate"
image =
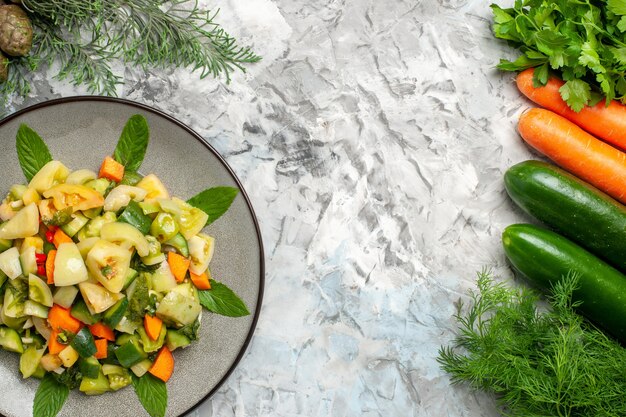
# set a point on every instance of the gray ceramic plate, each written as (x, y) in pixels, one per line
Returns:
(80, 131)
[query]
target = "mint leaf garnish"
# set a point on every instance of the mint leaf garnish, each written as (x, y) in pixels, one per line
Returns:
(32, 152)
(222, 300)
(214, 201)
(50, 397)
(152, 394)
(133, 142)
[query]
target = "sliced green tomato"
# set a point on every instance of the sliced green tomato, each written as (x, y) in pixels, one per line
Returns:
(179, 243)
(5, 244)
(126, 236)
(78, 222)
(10, 263)
(81, 177)
(48, 176)
(65, 296)
(89, 367)
(10, 340)
(153, 259)
(119, 380)
(140, 368)
(98, 298)
(69, 356)
(79, 197)
(85, 314)
(85, 245)
(94, 386)
(154, 187)
(91, 214)
(180, 307)
(42, 327)
(69, 267)
(149, 208)
(29, 361)
(191, 219)
(16, 323)
(31, 308)
(121, 195)
(14, 299)
(164, 227)
(39, 291)
(39, 372)
(109, 264)
(28, 261)
(83, 343)
(162, 279)
(24, 224)
(150, 345)
(201, 249)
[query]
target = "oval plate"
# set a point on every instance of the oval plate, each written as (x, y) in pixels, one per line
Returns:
(80, 132)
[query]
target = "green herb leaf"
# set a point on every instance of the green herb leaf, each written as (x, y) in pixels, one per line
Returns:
(214, 201)
(617, 6)
(152, 393)
(50, 397)
(32, 152)
(222, 300)
(132, 145)
(576, 94)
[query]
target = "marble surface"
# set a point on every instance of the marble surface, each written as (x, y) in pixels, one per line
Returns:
(372, 140)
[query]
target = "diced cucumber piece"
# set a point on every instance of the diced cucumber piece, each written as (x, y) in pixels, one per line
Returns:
(153, 259)
(125, 338)
(32, 308)
(100, 185)
(140, 368)
(129, 354)
(3, 278)
(92, 213)
(10, 340)
(130, 277)
(131, 178)
(10, 263)
(162, 279)
(83, 343)
(39, 292)
(89, 367)
(175, 339)
(119, 380)
(5, 244)
(149, 208)
(81, 312)
(114, 314)
(127, 326)
(109, 369)
(94, 386)
(78, 222)
(81, 177)
(29, 361)
(150, 345)
(134, 215)
(65, 296)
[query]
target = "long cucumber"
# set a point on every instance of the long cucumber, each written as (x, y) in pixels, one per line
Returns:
(544, 257)
(571, 207)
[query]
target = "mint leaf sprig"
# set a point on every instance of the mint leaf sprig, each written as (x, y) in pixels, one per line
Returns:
(583, 42)
(222, 300)
(50, 397)
(152, 394)
(133, 143)
(32, 151)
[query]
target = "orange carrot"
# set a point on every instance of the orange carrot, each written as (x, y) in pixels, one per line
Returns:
(202, 282)
(54, 347)
(50, 266)
(153, 326)
(60, 237)
(102, 330)
(111, 169)
(178, 265)
(575, 150)
(101, 348)
(163, 365)
(607, 123)
(61, 319)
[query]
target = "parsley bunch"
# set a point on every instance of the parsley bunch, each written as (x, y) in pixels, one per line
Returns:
(583, 41)
(551, 363)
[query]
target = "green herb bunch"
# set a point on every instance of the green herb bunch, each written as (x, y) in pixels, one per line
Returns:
(83, 38)
(551, 363)
(583, 41)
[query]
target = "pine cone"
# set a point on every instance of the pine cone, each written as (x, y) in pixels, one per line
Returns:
(16, 30)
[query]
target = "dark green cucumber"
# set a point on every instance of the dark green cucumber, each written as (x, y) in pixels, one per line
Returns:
(115, 313)
(572, 207)
(83, 343)
(544, 257)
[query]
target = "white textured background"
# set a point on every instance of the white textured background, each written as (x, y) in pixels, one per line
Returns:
(372, 139)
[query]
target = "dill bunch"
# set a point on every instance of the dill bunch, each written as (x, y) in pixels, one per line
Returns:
(537, 363)
(83, 37)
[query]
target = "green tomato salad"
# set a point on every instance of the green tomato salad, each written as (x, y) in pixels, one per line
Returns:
(103, 275)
